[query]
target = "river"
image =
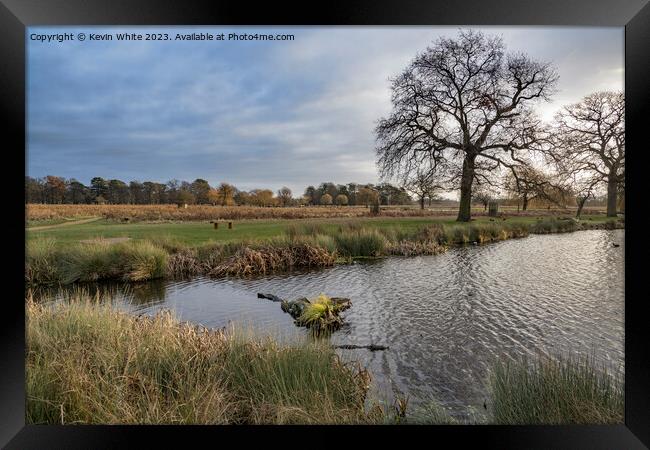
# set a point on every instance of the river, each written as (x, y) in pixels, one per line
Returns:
(446, 318)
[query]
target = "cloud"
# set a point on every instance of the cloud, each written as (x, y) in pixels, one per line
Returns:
(254, 113)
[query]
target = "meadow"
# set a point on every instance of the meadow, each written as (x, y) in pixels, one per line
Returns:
(72, 252)
(43, 214)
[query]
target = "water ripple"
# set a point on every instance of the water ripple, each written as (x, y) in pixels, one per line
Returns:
(446, 318)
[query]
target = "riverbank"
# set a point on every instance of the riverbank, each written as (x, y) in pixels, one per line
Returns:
(90, 363)
(302, 245)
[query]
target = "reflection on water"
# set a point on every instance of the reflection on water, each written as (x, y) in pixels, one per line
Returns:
(446, 318)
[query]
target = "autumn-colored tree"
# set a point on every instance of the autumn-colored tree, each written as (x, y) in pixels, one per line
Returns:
(341, 200)
(213, 196)
(226, 194)
(54, 189)
(242, 198)
(262, 197)
(367, 196)
(326, 199)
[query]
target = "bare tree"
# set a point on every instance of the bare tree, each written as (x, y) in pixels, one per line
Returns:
(483, 196)
(284, 196)
(464, 103)
(423, 185)
(583, 189)
(589, 142)
(527, 183)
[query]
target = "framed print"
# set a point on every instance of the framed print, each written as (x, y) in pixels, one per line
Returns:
(376, 218)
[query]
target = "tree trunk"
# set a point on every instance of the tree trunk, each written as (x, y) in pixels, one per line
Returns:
(611, 194)
(581, 203)
(422, 202)
(465, 207)
(525, 203)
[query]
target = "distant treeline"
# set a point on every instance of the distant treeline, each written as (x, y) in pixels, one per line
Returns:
(57, 190)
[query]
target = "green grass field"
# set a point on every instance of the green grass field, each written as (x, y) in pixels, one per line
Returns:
(196, 233)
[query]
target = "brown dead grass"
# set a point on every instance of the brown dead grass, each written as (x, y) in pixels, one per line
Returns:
(153, 213)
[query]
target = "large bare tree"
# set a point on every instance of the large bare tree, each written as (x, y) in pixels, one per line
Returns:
(589, 142)
(463, 103)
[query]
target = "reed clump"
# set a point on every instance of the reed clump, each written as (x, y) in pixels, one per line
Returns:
(88, 363)
(554, 225)
(562, 390)
(100, 260)
(42, 262)
(129, 261)
(269, 258)
(414, 248)
(360, 243)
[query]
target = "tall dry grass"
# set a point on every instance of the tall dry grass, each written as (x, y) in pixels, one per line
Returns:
(100, 260)
(561, 390)
(154, 213)
(88, 363)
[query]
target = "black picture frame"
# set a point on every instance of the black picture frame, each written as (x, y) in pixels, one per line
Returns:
(634, 15)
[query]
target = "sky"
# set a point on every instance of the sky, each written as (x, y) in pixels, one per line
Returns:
(256, 114)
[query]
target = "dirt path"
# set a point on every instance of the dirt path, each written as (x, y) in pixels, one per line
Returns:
(64, 224)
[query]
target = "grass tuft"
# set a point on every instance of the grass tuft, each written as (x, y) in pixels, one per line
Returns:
(88, 363)
(555, 391)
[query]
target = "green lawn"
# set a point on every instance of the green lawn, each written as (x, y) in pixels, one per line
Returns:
(195, 233)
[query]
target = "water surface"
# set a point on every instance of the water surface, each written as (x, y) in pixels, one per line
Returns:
(446, 318)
